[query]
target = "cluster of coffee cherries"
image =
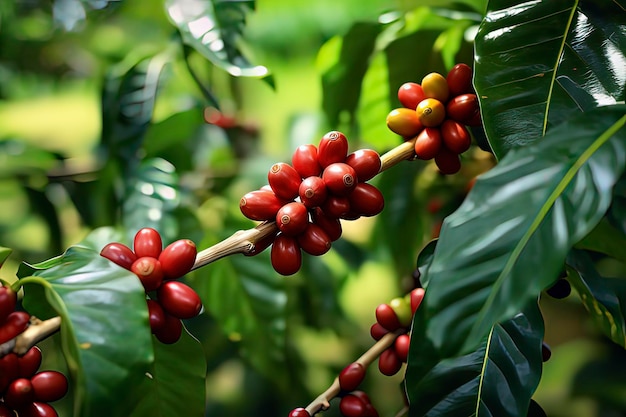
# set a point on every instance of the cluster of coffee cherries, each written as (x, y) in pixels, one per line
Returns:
(436, 113)
(24, 390)
(308, 198)
(169, 301)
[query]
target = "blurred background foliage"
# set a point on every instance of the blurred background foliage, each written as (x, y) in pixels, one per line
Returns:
(108, 119)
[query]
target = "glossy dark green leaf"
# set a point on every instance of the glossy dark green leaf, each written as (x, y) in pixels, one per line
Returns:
(509, 238)
(538, 63)
(604, 298)
(213, 28)
(424, 259)
(175, 385)
(105, 336)
(497, 379)
(606, 239)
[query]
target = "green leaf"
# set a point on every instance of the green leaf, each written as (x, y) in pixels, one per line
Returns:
(17, 158)
(498, 379)
(175, 385)
(538, 63)
(604, 298)
(105, 337)
(424, 259)
(4, 254)
(509, 238)
(213, 29)
(606, 239)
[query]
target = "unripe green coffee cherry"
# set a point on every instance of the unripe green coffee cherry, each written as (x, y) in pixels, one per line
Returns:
(402, 310)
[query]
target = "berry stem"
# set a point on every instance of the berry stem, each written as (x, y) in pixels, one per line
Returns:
(37, 331)
(402, 152)
(322, 402)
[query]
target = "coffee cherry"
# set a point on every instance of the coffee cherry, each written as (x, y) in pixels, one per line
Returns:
(336, 206)
(260, 204)
(388, 362)
(435, 86)
(314, 240)
(312, 191)
(401, 346)
(560, 289)
(29, 363)
(292, 218)
(417, 295)
(455, 136)
(428, 143)
(410, 94)
(284, 180)
(9, 370)
(377, 331)
(366, 163)
(404, 122)
(351, 406)
(179, 300)
(430, 112)
(304, 160)
(462, 108)
(178, 258)
(286, 256)
(333, 147)
(330, 224)
(119, 254)
(38, 409)
(20, 392)
(149, 271)
(14, 325)
(366, 200)
(261, 245)
(459, 79)
(147, 242)
(447, 161)
(299, 412)
(351, 376)
(340, 178)
(386, 317)
(8, 301)
(171, 330)
(49, 386)
(403, 311)
(156, 315)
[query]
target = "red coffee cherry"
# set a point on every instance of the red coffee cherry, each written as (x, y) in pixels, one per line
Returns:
(351, 406)
(351, 376)
(388, 362)
(8, 301)
(49, 386)
(340, 178)
(314, 240)
(312, 191)
(147, 242)
(9, 370)
(402, 308)
(179, 300)
(29, 363)
(292, 218)
(377, 331)
(260, 204)
(417, 295)
(447, 161)
(286, 256)
(428, 143)
(304, 160)
(366, 200)
(119, 254)
(171, 330)
(404, 122)
(178, 258)
(455, 136)
(462, 108)
(299, 412)
(284, 180)
(149, 272)
(366, 163)
(20, 392)
(401, 345)
(387, 318)
(156, 315)
(330, 224)
(6, 411)
(38, 409)
(410, 94)
(262, 244)
(14, 325)
(337, 207)
(459, 79)
(333, 147)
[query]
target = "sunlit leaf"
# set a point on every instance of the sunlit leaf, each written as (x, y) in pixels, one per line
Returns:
(509, 238)
(497, 379)
(539, 62)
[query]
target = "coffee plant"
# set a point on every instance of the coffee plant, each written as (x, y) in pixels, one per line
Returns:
(443, 234)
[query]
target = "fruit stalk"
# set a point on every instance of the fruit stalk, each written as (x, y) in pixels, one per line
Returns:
(36, 332)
